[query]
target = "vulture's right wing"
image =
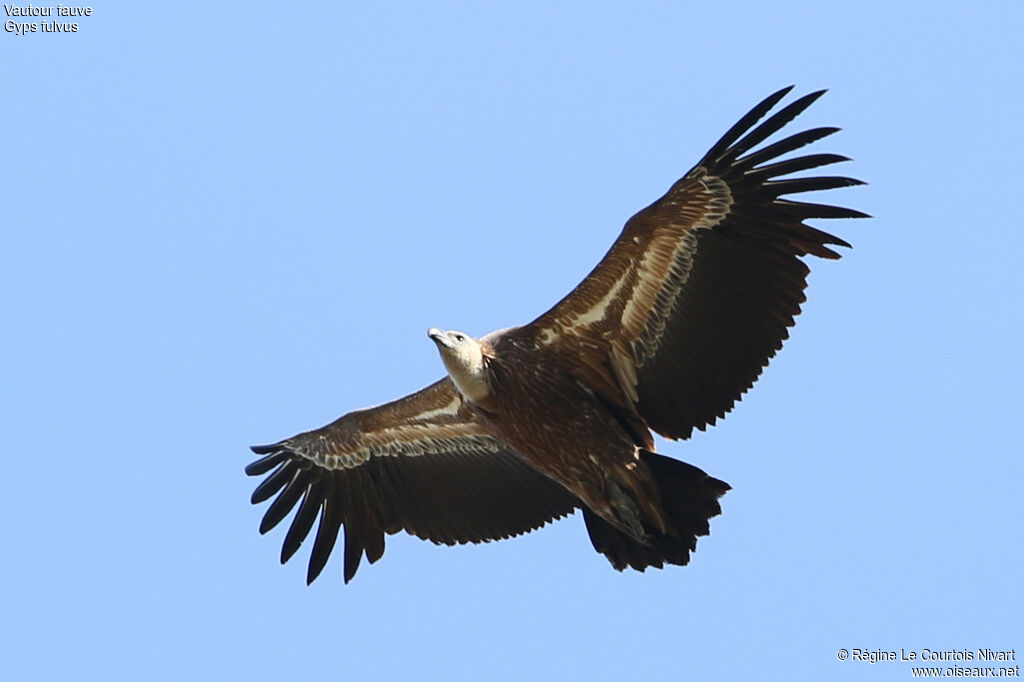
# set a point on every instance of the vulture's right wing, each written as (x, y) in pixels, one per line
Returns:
(699, 291)
(422, 464)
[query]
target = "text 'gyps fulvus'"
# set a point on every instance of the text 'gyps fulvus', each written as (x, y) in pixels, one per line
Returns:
(666, 334)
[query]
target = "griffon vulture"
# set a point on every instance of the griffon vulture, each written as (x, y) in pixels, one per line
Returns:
(533, 422)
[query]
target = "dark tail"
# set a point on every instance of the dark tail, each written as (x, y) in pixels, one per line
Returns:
(689, 497)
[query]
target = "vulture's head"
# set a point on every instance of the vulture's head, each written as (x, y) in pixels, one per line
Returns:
(463, 357)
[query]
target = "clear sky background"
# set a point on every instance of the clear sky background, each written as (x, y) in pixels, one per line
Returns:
(223, 225)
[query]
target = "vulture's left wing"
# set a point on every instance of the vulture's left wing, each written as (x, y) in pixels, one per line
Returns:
(697, 293)
(422, 464)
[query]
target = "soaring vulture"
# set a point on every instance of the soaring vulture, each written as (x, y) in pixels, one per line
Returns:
(669, 330)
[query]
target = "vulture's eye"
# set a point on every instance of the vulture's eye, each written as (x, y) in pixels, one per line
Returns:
(460, 337)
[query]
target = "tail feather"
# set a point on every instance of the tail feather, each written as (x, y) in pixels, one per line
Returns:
(689, 497)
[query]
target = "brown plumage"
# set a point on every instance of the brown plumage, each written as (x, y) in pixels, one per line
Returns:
(665, 334)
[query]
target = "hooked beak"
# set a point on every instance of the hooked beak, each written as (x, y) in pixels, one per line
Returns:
(439, 337)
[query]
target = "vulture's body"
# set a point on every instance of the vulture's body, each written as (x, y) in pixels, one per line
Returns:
(532, 422)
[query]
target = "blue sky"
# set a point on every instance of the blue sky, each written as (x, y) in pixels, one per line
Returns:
(223, 225)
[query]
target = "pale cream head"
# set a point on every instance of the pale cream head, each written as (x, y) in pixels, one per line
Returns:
(463, 357)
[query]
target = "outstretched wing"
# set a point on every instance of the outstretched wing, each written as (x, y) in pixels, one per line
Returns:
(698, 292)
(422, 464)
